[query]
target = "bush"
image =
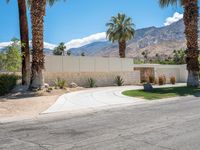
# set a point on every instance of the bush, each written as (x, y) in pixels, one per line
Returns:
(61, 83)
(7, 83)
(119, 81)
(161, 80)
(91, 83)
(173, 80)
(151, 79)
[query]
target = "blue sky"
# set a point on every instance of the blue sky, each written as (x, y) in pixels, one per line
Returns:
(80, 18)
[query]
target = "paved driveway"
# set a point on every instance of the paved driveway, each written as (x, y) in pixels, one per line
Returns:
(93, 99)
(97, 98)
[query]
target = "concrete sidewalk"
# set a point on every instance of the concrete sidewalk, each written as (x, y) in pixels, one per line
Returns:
(97, 98)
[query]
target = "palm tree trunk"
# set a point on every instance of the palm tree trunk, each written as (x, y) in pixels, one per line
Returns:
(122, 49)
(191, 15)
(37, 20)
(24, 42)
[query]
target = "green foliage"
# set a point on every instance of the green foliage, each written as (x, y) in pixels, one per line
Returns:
(60, 83)
(138, 61)
(91, 82)
(120, 28)
(60, 49)
(119, 81)
(2, 61)
(82, 54)
(10, 58)
(69, 53)
(7, 83)
(145, 55)
(179, 56)
(161, 93)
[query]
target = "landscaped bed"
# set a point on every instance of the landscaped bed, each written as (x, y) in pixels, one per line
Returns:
(161, 93)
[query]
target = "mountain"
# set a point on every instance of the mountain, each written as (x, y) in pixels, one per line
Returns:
(163, 40)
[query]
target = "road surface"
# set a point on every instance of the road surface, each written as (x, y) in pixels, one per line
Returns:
(169, 125)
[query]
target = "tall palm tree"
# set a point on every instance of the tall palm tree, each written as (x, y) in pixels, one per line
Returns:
(38, 9)
(121, 29)
(24, 37)
(191, 14)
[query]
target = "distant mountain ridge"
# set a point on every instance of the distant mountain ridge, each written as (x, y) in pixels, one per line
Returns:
(163, 40)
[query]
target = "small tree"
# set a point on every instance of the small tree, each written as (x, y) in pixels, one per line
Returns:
(82, 54)
(60, 49)
(2, 61)
(145, 55)
(179, 56)
(12, 57)
(69, 53)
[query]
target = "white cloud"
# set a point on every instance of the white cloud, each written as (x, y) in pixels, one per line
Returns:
(4, 44)
(176, 17)
(71, 44)
(46, 45)
(86, 40)
(49, 46)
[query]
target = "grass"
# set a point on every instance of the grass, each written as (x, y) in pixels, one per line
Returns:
(160, 93)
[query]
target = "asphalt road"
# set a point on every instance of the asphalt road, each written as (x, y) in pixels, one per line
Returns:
(172, 125)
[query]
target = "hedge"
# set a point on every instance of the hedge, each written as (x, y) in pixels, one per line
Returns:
(7, 83)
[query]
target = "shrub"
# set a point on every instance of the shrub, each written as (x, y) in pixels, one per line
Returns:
(173, 80)
(91, 82)
(7, 83)
(151, 79)
(161, 80)
(119, 81)
(61, 83)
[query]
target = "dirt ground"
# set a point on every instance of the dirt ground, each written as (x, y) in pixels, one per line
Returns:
(29, 104)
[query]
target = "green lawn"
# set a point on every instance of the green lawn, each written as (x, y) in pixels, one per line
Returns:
(160, 93)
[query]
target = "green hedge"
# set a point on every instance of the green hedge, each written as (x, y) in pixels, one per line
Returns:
(7, 83)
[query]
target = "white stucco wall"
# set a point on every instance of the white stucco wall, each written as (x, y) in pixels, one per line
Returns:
(87, 64)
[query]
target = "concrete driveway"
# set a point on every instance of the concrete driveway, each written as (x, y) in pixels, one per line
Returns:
(97, 98)
(93, 99)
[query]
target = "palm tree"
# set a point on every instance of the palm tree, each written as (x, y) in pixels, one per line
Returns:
(191, 14)
(60, 49)
(24, 37)
(38, 8)
(121, 29)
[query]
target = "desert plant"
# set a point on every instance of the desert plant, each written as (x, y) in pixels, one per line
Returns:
(91, 82)
(60, 83)
(151, 79)
(119, 81)
(173, 80)
(161, 80)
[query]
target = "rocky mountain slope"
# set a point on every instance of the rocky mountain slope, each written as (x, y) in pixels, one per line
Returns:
(163, 40)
